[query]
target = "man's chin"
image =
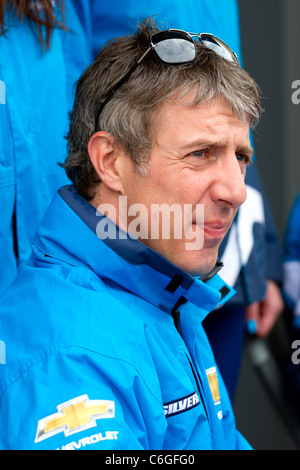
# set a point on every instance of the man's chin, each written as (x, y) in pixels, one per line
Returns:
(200, 268)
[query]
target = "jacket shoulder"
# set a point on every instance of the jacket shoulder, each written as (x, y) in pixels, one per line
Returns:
(57, 308)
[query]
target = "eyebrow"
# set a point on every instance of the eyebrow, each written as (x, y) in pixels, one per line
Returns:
(247, 149)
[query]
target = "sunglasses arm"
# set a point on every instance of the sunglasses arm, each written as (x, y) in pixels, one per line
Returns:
(119, 84)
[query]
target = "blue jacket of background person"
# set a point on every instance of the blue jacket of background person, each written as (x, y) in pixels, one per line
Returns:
(94, 359)
(291, 264)
(36, 97)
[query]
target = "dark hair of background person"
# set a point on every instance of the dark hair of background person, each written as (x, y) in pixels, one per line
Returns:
(47, 14)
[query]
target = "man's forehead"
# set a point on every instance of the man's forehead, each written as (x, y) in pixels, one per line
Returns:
(207, 124)
(213, 110)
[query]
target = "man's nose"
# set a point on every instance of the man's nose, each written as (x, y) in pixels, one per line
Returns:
(229, 187)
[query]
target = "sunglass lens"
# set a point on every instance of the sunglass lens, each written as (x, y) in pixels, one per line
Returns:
(175, 50)
(217, 48)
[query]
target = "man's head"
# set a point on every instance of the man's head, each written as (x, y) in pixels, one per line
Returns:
(171, 134)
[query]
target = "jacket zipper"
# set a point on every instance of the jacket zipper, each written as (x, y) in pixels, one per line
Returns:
(176, 318)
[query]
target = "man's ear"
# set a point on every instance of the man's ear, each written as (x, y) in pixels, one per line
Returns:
(105, 155)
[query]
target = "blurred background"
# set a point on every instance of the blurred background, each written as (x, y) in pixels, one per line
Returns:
(270, 36)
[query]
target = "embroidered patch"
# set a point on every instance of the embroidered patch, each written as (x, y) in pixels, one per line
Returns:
(183, 404)
(74, 416)
(214, 384)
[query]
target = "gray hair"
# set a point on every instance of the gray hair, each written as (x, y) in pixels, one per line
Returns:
(131, 115)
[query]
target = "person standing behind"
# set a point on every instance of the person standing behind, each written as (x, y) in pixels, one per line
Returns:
(291, 295)
(44, 49)
(291, 265)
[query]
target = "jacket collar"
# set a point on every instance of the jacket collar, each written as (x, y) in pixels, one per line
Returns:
(68, 234)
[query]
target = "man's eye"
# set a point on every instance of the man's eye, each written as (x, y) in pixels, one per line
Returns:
(198, 153)
(243, 158)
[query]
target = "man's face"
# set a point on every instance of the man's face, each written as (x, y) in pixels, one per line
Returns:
(199, 158)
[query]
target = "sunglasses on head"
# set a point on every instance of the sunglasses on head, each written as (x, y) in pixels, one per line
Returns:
(174, 46)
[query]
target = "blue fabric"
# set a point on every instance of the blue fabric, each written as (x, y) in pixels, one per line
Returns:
(291, 236)
(217, 17)
(33, 123)
(28, 181)
(82, 323)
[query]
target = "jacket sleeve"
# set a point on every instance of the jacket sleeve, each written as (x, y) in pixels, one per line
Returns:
(78, 399)
(7, 192)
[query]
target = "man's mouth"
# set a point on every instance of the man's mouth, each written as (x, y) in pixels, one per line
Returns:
(215, 229)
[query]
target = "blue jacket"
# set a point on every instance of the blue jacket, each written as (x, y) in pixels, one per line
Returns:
(291, 263)
(93, 356)
(218, 17)
(36, 97)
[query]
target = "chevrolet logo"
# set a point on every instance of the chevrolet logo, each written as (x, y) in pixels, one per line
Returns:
(74, 416)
